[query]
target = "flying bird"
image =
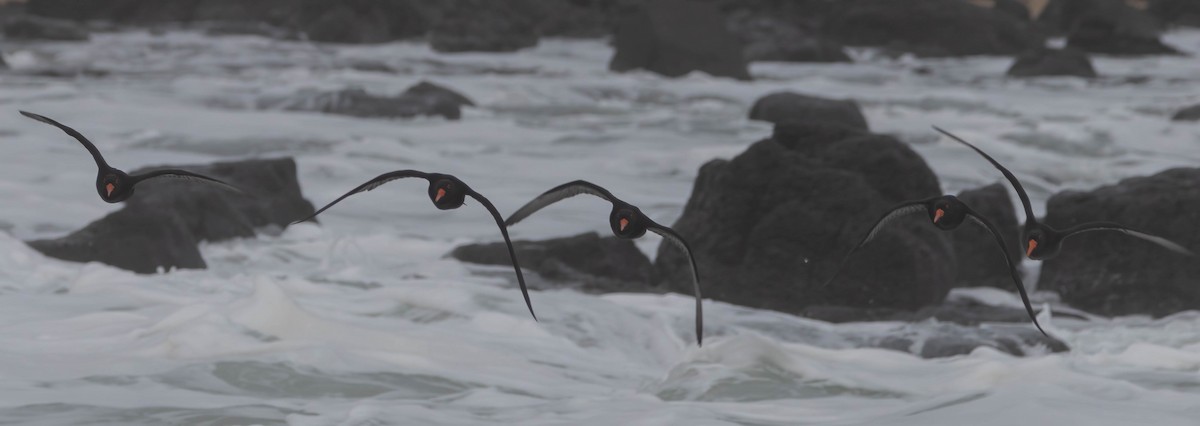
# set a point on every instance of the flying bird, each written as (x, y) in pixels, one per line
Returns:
(947, 213)
(1043, 242)
(113, 184)
(447, 193)
(627, 222)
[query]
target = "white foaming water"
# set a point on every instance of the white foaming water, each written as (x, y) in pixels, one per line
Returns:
(363, 321)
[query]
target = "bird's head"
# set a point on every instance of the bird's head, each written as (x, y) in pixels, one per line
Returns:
(1040, 244)
(947, 212)
(447, 193)
(627, 223)
(114, 186)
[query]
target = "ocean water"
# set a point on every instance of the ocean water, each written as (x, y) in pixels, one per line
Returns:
(364, 321)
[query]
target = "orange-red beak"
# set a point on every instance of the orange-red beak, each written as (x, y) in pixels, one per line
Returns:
(441, 193)
(1032, 245)
(937, 215)
(624, 223)
(109, 187)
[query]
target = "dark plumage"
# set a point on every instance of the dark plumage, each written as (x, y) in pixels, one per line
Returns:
(626, 221)
(1041, 241)
(946, 213)
(113, 184)
(447, 193)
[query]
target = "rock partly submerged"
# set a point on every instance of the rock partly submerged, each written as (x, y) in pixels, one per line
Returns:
(160, 227)
(1110, 273)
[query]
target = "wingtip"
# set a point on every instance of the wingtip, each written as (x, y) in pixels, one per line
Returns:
(37, 117)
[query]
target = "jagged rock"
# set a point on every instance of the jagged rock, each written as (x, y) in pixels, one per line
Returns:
(160, 226)
(930, 27)
(771, 225)
(770, 39)
(980, 261)
(676, 37)
(1191, 113)
(595, 264)
(790, 107)
(422, 99)
(1053, 62)
(1110, 273)
(25, 27)
(483, 26)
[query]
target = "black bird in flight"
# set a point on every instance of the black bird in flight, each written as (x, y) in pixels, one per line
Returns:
(626, 221)
(447, 193)
(1042, 242)
(113, 184)
(947, 213)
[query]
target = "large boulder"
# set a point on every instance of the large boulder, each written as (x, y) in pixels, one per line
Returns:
(423, 99)
(790, 107)
(160, 226)
(1111, 273)
(676, 37)
(25, 27)
(483, 26)
(1191, 113)
(931, 27)
(980, 261)
(771, 225)
(586, 261)
(1052, 62)
(767, 38)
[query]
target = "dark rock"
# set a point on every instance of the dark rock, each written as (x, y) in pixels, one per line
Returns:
(160, 226)
(599, 265)
(1110, 273)
(771, 39)
(1052, 62)
(1063, 16)
(1099, 35)
(980, 261)
(483, 26)
(422, 99)
(360, 21)
(790, 107)
(1191, 113)
(1176, 12)
(931, 27)
(771, 225)
(1013, 8)
(676, 37)
(25, 27)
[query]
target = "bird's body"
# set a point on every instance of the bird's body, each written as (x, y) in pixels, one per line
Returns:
(447, 193)
(947, 213)
(113, 184)
(626, 221)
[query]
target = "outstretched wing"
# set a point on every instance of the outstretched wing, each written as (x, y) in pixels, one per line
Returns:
(512, 253)
(1007, 175)
(78, 136)
(669, 234)
(183, 175)
(369, 185)
(1109, 226)
(889, 217)
(1012, 267)
(558, 193)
